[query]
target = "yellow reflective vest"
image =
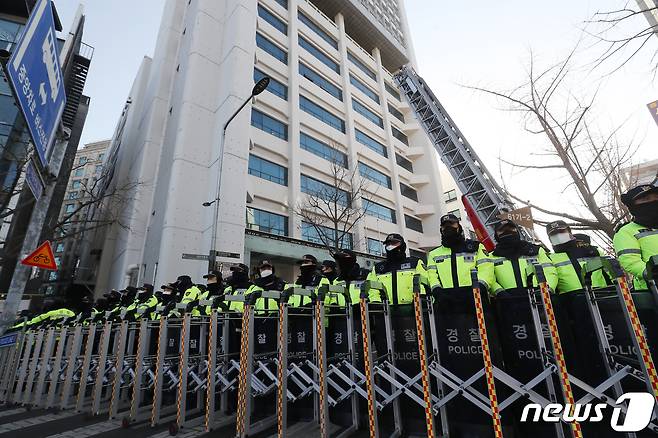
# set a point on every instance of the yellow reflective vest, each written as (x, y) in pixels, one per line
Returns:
(568, 280)
(506, 279)
(447, 269)
(398, 284)
(634, 245)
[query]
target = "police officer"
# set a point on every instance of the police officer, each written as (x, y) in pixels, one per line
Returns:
(328, 270)
(267, 279)
(397, 271)
(449, 271)
(449, 265)
(214, 289)
(144, 305)
(636, 241)
(350, 273)
(512, 256)
(167, 298)
(570, 257)
(309, 277)
(190, 292)
(239, 280)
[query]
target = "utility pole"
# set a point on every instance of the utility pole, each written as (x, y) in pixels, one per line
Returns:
(33, 234)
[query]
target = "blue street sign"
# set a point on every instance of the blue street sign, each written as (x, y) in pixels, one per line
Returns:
(33, 180)
(36, 75)
(8, 340)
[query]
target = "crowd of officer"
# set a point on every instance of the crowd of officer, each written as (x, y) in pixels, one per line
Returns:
(448, 269)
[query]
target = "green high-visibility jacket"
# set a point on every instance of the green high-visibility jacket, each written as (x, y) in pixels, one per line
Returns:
(297, 300)
(334, 299)
(399, 284)
(150, 303)
(262, 305)
(506, 278)
(443, 266)
(568, 280)
(634, 245)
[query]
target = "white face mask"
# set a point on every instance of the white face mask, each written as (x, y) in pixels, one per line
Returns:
(390, 248)
(559, 238)
(265, 272)
(166, 292)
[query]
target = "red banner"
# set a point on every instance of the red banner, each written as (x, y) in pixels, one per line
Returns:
(478, 226)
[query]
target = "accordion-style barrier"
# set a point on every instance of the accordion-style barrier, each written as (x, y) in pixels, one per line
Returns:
(451, 363)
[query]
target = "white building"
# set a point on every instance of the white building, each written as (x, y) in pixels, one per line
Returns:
(453, 201)
(331, 95)
(641, 173)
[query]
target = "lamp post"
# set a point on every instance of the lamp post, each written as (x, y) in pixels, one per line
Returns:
(259, 87)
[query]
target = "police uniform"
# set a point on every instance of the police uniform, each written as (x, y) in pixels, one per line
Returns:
(637, 241)
(570, 258)
(449, 266)
(397, 272)
(513, 257)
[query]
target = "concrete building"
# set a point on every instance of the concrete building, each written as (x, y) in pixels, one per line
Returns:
(16, 200)
(650, 10)
(641, 173)
(77, 209)
(331, 96)
(452, 198)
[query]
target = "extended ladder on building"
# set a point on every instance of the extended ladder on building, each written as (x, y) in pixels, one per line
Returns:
(475, 182)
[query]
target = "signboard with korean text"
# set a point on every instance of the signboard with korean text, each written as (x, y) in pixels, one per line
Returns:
(36, 76)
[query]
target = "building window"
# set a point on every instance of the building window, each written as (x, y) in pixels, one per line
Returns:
(59, 248)
(397, 114)
(404, 163)
(399, 135)
(314, 187)
(275, 87)
(321, 114)
(73, 195)
(267, 170)
(364, 88)
(392, 91)
(367, 113)
(450, 195)
(98, 169)
(320, 81)
(456, 213)
(76, 184)
(100, 157)
(79, 172)
(413, 224)
(374, 175)
(375, 247)
(267, 222)
(379, 211)
(325, 235)
(273, 20)
(70, 208)
(271, 48)
(370, 142)
(52, 276)
(268, 124)
(322, 150)
(321, 56)
(361, 66)
(319, 31)
(408, 192)
(283, 3)
(82, 160)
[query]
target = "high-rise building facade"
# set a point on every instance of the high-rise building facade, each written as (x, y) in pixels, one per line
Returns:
(75, 222)
(331, 98)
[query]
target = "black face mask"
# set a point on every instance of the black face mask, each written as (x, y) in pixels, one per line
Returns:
(214, 288)
(331, 275)
(307, 270)
(508, 245)
(239, 277)
(451, 237)
(396, 254)
(345, 265)
(645, 214)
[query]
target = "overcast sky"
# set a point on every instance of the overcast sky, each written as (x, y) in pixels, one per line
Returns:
(456, 44)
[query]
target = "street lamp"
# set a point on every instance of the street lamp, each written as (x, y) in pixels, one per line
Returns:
(258, 88)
